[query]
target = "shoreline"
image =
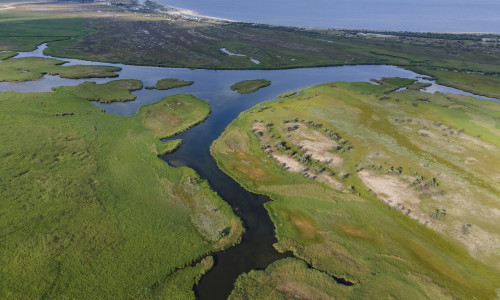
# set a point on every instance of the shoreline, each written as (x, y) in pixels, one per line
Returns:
(7, 6)
(193, 14)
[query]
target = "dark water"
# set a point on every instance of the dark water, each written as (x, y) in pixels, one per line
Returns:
(400, 15)
(256, 250)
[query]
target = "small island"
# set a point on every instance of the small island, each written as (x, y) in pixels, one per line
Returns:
(250, 86)
(34, 68)
(169, 83)
(113, 91)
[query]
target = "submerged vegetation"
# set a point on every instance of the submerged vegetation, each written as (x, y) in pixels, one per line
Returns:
(356, 174)
(250, 86)
(85, 201)
(169, 83)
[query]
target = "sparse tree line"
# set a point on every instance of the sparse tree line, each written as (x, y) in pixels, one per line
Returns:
(312, 167)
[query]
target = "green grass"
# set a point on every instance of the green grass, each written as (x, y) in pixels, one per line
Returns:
(113, 91)
(24, 29)
(168, 147)
(479, 84)
(7, 54)
(89, 211)
(287, 94)
(417, 86)
(250, 86)
(80, 30)
(169, 83)
(345, 227)
(34, 68)
(394, 83)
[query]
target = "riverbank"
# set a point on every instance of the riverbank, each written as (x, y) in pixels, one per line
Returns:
(334, 152)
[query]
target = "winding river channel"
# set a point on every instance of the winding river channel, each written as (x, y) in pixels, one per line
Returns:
(256, 249)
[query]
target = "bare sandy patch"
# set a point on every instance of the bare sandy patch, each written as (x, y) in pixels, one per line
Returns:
(395, 193)
(470, 160)
(319, 151)
(495, 212)
(330, 181)
(289, 163)
(259, 126)
(316, 144)
(479, 242)
(476, 141)
(292, 165)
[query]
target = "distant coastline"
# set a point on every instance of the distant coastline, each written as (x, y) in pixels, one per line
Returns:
(192, 14)
(425, 16)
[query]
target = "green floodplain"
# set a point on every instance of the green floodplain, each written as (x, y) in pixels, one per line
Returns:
(89, 211)
(396, 192)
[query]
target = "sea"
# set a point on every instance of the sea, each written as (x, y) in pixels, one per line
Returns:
(400, 15)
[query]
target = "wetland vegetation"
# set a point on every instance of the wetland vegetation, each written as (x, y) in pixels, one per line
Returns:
(377, 188)
(116, 90)
(7, 54)
(85, 201)
(250, 86)
(169, 83)
(474, 82)
(356, 174)
(34, 68)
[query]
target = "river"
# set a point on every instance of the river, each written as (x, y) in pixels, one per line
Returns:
(256, 249)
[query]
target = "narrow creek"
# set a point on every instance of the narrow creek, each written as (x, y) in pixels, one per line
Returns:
(256, 249)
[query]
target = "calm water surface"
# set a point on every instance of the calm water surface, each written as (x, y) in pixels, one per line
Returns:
(423, 15)
(256, 250)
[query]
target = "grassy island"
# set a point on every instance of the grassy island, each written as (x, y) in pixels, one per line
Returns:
(113, 91)
(89, 211)
(250, 86)
(170, 83)
(375, 192)
(33, 68)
